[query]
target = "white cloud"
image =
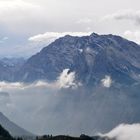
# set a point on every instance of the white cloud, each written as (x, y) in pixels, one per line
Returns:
(132, 35)
(125, 15)
(67, 80)
(107, 81)
(48, 37)
(124, 132)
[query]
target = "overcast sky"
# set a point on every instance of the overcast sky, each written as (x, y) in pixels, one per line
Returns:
(28, 25)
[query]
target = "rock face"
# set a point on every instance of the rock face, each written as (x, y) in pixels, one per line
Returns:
(91, 57)
(12, 128)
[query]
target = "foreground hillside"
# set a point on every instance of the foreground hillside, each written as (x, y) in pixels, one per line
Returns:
(63, 137)
(4, 134)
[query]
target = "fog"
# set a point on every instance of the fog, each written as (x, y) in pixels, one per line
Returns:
(66, 107)
(39, 106)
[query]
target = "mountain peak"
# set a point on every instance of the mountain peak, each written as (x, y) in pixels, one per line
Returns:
(94, 34)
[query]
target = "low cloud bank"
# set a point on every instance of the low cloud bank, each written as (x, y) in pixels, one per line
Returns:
(65, 80)
(123, 132)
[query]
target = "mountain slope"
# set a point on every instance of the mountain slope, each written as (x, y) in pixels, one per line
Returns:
(13, 129)
(91, 57)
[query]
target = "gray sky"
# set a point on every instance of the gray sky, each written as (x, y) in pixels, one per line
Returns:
(28, 25)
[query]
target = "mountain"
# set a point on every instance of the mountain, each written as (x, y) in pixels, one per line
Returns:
(91, 57)
(4, 134)
(12, 128)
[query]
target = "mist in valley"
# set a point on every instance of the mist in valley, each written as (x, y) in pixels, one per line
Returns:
(66, 107)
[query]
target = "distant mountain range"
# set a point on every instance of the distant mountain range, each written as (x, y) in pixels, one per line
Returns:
(12, 128)
(9, 68)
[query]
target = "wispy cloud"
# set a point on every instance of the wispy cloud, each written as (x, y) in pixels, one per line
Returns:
(130, 15)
